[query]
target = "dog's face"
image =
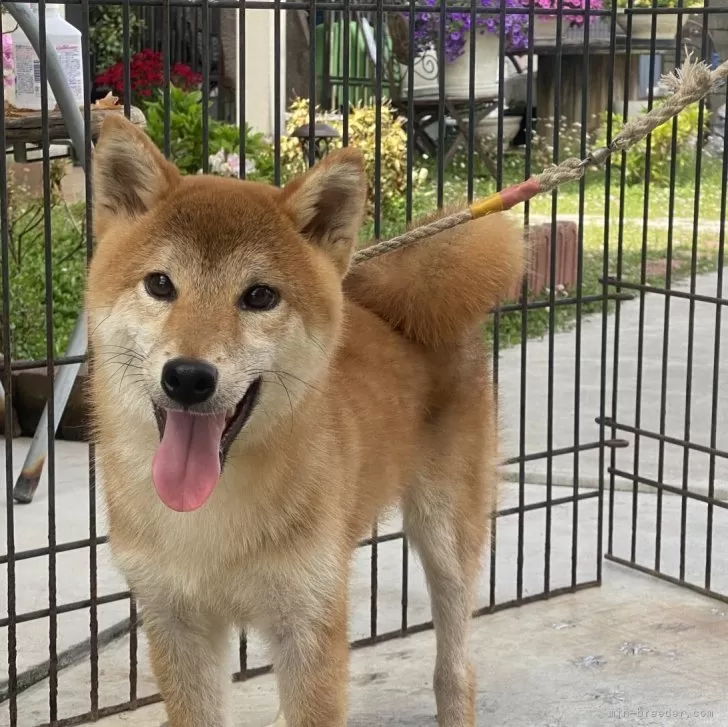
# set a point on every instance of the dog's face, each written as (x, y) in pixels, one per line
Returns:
(213, 303)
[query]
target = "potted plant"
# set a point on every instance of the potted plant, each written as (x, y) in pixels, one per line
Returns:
(572, 25)
(666, 25)
(456, 48)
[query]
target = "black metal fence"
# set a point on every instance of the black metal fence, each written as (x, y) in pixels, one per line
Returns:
(627, 268)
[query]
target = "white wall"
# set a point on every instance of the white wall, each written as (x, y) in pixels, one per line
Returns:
(258, 47)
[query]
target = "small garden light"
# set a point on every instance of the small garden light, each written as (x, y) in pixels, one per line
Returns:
(323, 136)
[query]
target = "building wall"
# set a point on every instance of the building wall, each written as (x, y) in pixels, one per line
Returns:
(258, 46)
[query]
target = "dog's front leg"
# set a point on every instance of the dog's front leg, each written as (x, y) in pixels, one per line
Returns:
(310, 659)
(189, 659)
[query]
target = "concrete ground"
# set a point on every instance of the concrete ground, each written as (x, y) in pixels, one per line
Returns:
(567, 419)
(635, 651)
(593, 659)
(30, 175)
(564, 662)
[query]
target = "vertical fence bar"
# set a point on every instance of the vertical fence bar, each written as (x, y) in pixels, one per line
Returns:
(88, 228)
(579, 294)
(126, 45)
(471, 104)
(312, 81)
(493, 563)
(523, 383)
(378, 98)
(605, 297)
(242, 123)
(550, 399)
(502, 39)
(126, 54)
(666, 333)
(206, 86)
(668, 266)
(50, 373)
(166, 76)
(276, 92)
(409, 202)
(241, 88)
(346, 32)
(441, 108)
(691, 310)
(409, 199)
(499, 184)
(326, 95)
(7, 381)
(641, 327)
(618, 274)
(714, 407)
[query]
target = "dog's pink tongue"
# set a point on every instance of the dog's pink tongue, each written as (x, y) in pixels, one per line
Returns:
(186, 465)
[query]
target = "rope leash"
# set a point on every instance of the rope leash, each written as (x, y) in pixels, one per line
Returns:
(687, 85)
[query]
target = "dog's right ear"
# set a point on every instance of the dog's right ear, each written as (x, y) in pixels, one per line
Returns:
(130, 175)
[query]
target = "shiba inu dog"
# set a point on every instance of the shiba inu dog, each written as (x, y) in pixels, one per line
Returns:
(258, 402)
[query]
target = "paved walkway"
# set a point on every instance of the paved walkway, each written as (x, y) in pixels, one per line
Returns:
(565, 414)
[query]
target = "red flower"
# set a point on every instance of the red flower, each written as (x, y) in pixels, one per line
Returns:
(147, 74)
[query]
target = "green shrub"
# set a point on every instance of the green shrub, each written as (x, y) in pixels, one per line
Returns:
(661, 149)
(106, 33)
(362, 135)
(186, 134)
(26, 263)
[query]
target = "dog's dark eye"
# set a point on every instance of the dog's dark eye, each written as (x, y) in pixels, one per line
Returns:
(259, 297)
(159, 286)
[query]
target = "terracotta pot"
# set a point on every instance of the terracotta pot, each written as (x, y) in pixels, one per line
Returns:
(539, 261)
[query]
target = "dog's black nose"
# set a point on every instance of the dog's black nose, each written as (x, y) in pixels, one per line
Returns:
(188, 381)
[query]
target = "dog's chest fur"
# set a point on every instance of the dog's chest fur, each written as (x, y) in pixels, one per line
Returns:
(236, 556)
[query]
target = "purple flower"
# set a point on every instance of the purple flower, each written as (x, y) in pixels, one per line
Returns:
(458, 26)
(565, 5)
(458, 23)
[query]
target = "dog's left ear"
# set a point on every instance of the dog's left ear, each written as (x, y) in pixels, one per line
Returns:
(327, 204)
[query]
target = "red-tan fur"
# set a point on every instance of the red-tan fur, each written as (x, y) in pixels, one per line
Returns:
(377, 392)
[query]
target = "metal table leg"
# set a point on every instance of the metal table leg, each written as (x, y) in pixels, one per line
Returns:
(27, 482)
(458, 115)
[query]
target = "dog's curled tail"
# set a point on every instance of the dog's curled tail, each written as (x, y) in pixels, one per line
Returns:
(444, 285)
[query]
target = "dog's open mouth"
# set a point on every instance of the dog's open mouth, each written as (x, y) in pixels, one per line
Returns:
(233, 423)
(193, 449)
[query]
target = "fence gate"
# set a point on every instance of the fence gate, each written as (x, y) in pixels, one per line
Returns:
(667, 491)
(607, 360)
